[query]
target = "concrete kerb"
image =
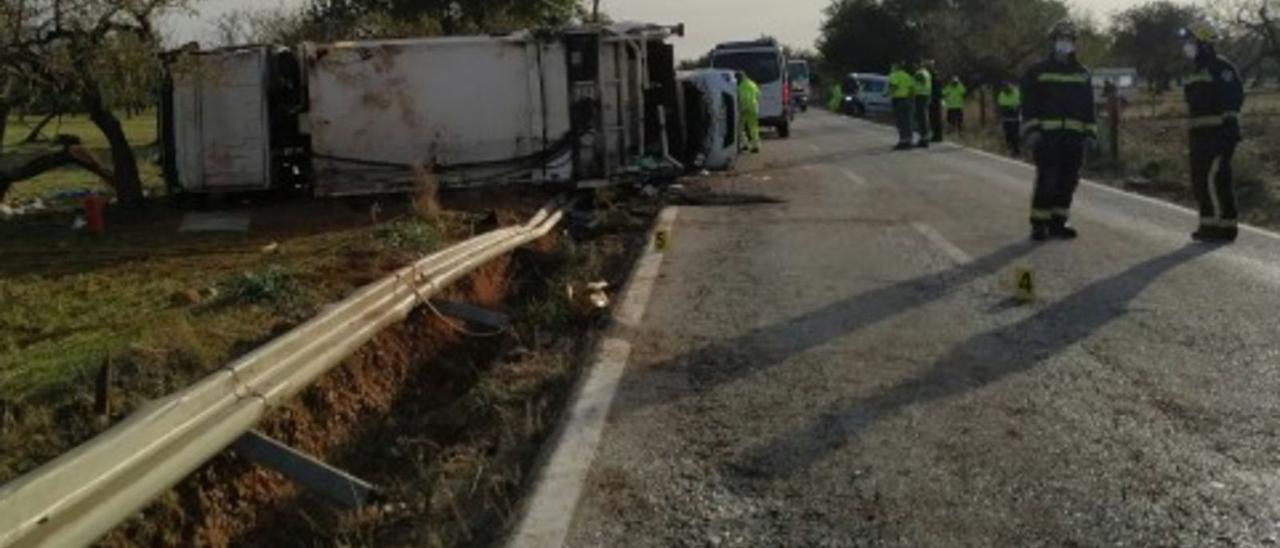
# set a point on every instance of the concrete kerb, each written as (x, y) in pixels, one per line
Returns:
(561, 470)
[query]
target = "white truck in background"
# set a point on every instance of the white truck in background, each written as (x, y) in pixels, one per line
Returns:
(585, 106)
(762, 61)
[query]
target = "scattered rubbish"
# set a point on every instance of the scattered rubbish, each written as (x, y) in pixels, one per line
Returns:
(273, 247)
(598, 297)
(186, 297)
(649, 191)
(79, 223)
(7, 212)
(209, 293)
(230, 221)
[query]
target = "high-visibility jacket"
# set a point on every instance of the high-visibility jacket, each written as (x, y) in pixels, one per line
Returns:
(1214, 92)
(1010, 97)
(1057, 96)
(924, 83)
(748, 96)
(953, 96)
(901, 84)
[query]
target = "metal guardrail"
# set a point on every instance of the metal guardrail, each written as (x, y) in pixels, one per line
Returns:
(80, 496)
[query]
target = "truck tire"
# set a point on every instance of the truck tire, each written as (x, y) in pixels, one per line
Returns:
(784, 130)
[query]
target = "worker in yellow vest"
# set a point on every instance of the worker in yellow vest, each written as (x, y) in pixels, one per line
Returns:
(924, 96)
(953, 100)
(749, 111)
(1009, 103)
(902, 90)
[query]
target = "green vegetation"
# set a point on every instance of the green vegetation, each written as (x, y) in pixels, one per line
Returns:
(72, 300)
(141, 130)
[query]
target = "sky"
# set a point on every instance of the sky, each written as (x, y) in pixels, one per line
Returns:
(795, 22)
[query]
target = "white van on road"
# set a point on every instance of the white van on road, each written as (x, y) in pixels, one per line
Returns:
(763, 62)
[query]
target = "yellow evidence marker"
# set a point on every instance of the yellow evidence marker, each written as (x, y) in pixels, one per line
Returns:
(1024, 284)
(661, 240)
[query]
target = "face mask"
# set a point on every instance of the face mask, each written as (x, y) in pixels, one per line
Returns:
(1191, 50)
(1064, 47)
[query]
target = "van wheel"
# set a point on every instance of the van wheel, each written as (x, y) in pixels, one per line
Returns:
(784, 130)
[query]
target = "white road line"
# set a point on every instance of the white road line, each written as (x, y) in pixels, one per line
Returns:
(958, 255)
(549, 511)
(857, 180)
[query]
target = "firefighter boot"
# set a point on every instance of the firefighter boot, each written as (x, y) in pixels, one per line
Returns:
(1039, 231)
(1059, 229)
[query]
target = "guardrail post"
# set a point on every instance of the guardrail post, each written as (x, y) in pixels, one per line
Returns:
(333, 484)
(472, 314)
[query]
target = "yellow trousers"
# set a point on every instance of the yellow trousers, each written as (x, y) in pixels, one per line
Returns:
(751, 128)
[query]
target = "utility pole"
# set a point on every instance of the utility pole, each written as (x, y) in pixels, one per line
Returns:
(595, 11)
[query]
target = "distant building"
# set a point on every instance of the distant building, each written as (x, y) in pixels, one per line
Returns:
(1125, 80)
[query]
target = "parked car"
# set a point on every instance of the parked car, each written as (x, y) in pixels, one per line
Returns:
(866, 93)
(762, 60)
(798, 71)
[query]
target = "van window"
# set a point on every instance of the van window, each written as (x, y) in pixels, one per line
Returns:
(761, 66)
(872, 86)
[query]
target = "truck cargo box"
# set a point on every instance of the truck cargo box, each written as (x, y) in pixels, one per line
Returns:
(474, 109)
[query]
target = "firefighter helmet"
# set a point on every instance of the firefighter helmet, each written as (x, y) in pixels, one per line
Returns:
(1201, 31)
(1065, 29)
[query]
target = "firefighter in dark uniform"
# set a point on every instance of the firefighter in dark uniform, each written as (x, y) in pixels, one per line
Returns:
(1059, 123)
(1214, 95)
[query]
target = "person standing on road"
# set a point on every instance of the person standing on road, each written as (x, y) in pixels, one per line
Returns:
(749, 111)
(1009, 104)
(902, 91)
(1060, 124)
(1214, 95)
(935, 103)
(953, 96)
(924, 97)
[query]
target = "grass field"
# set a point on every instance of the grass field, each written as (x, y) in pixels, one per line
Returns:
(140, 129)
(165, 307)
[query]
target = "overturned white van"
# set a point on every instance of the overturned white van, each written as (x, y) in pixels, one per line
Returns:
(711, 118)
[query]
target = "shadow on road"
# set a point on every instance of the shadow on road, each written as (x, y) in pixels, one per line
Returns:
(760, 349)
(977, 362)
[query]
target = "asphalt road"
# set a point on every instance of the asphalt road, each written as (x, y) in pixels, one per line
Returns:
(848, 368)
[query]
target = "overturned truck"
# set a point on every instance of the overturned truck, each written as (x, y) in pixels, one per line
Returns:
(583, 107)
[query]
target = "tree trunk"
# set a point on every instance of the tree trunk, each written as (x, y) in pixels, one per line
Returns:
(127, 183)
(5, 106)
(34, 135)
(4, 121)
(71, 153)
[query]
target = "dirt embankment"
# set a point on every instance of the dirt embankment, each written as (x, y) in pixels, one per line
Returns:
(445, 419)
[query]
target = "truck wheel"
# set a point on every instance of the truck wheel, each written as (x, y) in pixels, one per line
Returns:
(784, 130)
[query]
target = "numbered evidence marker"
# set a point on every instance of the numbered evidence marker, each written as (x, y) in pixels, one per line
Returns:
(661, 240)
(1024, 284)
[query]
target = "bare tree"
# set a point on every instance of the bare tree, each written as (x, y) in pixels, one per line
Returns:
(102, 53)
(1254, 31)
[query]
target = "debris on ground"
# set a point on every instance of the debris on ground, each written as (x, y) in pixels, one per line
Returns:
(221, 221)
